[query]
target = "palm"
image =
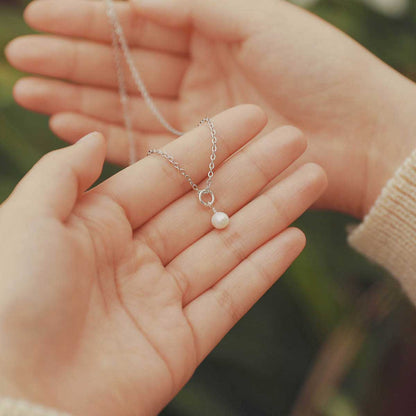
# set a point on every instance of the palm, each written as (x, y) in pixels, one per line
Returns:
(118, 329)
(297, 83)
(129, 301)
(124, 298)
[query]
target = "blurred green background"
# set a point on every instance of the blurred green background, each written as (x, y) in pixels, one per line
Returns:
(335, 336)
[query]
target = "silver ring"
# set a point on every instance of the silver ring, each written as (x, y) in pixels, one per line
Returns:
(206, 192)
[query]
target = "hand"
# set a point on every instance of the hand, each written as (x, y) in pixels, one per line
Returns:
(199, 57)
(110, 298)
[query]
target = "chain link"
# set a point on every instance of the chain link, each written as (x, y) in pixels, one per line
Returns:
(182, 171)
(121, 77)
(121, 49)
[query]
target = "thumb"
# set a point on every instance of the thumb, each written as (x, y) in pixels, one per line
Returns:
(54, 184)
(229, 20)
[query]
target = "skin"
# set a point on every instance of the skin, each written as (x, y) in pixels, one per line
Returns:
(113, 300)
(200, 57)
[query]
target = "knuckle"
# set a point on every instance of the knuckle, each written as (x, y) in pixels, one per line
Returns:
(73, 68)
(172, 175)
(232, 241)
(181, 281)
(277, 206)
(139, 28)
(227, 303)
(254, 160)
(81, 97)
(54, 164)
(91, 17)
(263, 273)
(154, 238)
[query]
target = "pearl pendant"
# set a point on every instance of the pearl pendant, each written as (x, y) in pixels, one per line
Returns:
(220, 220)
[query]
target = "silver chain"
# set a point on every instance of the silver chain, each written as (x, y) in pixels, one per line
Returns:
(182, 171)
(121, 49)
(121, 77)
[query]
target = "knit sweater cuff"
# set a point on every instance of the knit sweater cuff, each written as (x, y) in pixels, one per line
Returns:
(387, 235)
(11, 407)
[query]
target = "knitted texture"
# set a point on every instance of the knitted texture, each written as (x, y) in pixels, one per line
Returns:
(10, 407)
(387, 235)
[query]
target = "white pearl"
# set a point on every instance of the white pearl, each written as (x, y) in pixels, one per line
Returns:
(220, 220)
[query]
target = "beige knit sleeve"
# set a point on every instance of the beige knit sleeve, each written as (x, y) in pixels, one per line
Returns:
(387, 235)
(11, 407)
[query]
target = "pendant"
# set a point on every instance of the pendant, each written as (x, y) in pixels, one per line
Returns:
(219, 220)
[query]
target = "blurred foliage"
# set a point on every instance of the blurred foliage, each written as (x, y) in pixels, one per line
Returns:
(333, 317)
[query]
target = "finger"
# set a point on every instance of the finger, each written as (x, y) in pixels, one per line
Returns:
(71, 126)
(92, 63)
(51, 97)
(258, 222)
(231, 20)
(236, 183)
(59, 178)
(215, 312)
(153, 179)
(88, 19)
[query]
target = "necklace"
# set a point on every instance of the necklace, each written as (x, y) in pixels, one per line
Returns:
(219, 220)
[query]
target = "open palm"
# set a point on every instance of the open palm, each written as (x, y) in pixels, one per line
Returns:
(198, 58)
(123, 290)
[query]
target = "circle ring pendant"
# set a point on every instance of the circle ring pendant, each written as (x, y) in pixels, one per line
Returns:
(201, 194)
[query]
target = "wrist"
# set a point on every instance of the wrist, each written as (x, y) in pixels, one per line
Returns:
(394, 136)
